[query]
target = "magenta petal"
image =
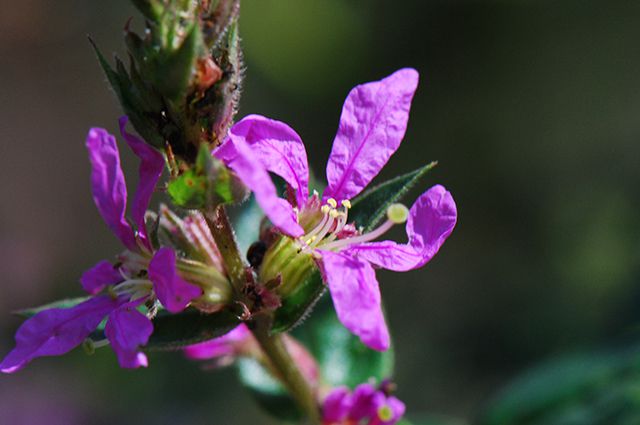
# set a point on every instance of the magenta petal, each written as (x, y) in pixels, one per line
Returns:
(365, 397)
(173, 292)
(108, 185)
(127, 330)
(356, 297)
(218, 347)
(99, 276)
(238, 155)
(279, 148)
(57, 331)
(150, 170)
(336, 405)
(431, 220)
(372, 125)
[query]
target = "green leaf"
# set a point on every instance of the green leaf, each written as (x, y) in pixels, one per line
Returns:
(208, 184)
(173, 74)
(174, 331)
(371, 206)
(267, 391)
(151, 9)
(367, 210)
(189, 190)
(132, 105)
(66, 303)
(598, 388)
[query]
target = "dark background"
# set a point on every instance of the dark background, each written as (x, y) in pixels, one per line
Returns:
(531, 107)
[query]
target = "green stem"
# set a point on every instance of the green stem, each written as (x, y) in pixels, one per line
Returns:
(225, 239)
(283, 365)
(285, 368)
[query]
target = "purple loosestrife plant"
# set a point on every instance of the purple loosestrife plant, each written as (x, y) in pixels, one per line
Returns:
(317, 230)
(181, 281)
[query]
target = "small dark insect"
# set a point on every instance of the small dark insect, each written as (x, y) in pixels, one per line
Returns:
(255, 254)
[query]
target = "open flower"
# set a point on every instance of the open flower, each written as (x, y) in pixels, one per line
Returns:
(141, 276)
(366, 404)
(372, 125)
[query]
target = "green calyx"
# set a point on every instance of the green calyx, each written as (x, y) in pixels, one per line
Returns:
(287, 263)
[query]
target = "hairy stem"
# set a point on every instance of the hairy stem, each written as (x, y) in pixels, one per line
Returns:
(225, 239)
(282, 364)
(285, 368)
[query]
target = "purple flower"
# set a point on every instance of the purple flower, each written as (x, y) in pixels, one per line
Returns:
(57, 331)
(231, 344)
(365, 405)
(372, 125)
(239, 342)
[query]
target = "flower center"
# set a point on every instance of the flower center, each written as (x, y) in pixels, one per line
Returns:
(289, 262)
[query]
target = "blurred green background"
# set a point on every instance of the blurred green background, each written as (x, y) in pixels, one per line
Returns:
(531, 107)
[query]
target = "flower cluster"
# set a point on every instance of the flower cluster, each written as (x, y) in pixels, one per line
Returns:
(145, 274)
(365, 405)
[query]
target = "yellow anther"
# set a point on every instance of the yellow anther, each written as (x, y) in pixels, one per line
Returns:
(346, 203)
(334, 213)
(332, 202)
(312, 239)
(325, 209)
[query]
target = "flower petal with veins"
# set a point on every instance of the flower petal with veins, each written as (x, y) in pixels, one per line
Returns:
(174, 292)
(108, 184)
(431, 220)
(372, 124)
(356, 297)
(149, 171)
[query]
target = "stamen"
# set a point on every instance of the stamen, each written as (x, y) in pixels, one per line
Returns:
(318, 227)
(332, 202)
(331, 220)
(346, 203)
(343, 243)
(141, 287)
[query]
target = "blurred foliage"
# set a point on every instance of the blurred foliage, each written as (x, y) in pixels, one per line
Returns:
(599, 388)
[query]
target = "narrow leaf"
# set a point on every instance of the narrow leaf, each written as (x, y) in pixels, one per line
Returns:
(597, 388)
(173, 75)
(174, 331)
(371, 206)
(66, 303)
